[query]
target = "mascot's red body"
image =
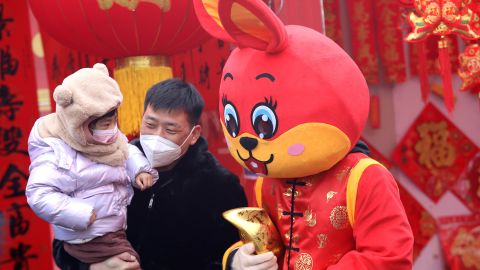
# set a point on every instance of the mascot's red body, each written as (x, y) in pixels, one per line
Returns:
(293, 105)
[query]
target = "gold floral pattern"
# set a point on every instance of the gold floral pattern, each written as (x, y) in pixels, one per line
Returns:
(465, 245)
(304, 261)
(330, 195)
(343, 173)
(310, 218)
(296, 238)
(279, 212)
(322, 240)
(289, 191)
(339, 217)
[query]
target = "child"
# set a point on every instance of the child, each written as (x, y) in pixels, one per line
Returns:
(82, 167)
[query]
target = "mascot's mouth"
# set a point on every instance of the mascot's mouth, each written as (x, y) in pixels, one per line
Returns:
(255, 165)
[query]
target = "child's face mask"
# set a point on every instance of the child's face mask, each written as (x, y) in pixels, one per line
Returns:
(106, 135)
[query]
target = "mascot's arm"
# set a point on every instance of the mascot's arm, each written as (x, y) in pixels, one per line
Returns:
(228, 255)
(383, 236)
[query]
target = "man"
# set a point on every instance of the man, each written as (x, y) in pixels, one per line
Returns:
(176, 224)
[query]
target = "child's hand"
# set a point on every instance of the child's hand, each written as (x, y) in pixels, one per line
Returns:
(93, 217)
(144, 180)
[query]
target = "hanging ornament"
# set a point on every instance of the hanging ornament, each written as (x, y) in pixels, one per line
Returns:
(469, 70)
(467, 187)
(460, 239)
(434, 152)
(140, 35)
(441, 18)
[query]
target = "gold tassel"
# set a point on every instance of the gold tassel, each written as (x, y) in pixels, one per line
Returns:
(135, 75)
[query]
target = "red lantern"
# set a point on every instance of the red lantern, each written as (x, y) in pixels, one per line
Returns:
(121, 28)
(441, 18)
(140, 34)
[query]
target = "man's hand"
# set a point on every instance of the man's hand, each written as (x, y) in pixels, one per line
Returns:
(93, 217)
(244, 259)
(144, 180)
(124, 261)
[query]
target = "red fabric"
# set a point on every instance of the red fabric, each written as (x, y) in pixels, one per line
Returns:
(363, 38)
(118, 31)
(460, 237)
(422, 223)
(25, 241)
(390, 42)
(433, 152)
(323, 234)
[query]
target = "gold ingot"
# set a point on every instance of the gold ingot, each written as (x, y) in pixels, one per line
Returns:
(256, 226)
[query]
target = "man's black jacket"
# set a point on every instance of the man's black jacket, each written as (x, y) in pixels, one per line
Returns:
(177, 224)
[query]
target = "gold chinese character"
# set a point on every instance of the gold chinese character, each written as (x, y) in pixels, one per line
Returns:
(433, 148)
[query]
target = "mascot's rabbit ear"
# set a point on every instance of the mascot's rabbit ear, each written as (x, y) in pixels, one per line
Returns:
(246, 23)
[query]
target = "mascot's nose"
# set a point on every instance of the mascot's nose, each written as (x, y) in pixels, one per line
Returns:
(248, 143)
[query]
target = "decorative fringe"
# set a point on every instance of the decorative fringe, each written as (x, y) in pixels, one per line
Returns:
(446, 72)
(423, 70)
(135, 75)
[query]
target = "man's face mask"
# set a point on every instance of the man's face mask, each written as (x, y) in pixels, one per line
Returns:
(161, 152)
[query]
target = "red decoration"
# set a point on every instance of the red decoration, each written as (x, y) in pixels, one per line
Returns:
(374, 113)
(24, 239)
(470, 68)
(390, 44)
(441, 18)
(363, 38)
(139, 34)
(333, 27)
(113, 28)
(433, 152)
(468, 186)
(460, 237)
(203, 66)
(422, 223)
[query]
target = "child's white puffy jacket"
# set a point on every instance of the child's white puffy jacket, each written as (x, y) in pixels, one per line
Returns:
(64, 188)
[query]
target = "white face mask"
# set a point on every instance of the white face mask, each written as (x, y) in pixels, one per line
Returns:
(159, 151)
(105, 136)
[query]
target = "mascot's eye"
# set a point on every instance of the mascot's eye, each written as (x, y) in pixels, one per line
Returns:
(231, 120)
(264, 121)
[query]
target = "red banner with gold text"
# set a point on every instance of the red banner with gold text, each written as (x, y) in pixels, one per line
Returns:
(390, 41)
(24, 239)
(363, 38)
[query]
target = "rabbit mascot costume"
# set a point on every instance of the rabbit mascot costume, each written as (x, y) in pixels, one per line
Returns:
(292, 107)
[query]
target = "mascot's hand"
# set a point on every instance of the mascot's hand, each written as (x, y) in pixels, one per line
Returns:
(245, 259)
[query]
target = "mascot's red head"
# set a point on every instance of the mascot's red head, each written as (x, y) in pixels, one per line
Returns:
(292, 102)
